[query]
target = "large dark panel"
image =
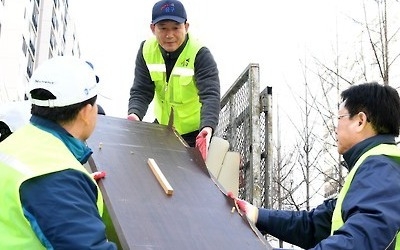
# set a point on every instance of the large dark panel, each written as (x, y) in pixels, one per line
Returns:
(198, 215)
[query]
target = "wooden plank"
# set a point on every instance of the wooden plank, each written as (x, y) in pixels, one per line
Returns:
(160, 176)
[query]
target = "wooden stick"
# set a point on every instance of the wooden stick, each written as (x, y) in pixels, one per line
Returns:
(160, 176)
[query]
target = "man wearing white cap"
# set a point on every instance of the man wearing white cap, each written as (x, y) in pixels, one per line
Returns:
(49, 200)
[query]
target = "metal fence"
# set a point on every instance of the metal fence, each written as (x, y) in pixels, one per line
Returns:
(244, 121)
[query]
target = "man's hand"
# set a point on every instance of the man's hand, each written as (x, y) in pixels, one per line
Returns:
(98, 175)
(133, 117)
(246, 208)
(203, 141)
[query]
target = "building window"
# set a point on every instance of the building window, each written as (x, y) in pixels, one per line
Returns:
(32, 46)
(24, 46)
(54, 20)
(29, 68)
(32, 40)
(35, 15)
(52, 41)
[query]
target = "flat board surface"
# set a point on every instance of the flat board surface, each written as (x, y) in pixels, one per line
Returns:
(198, 215)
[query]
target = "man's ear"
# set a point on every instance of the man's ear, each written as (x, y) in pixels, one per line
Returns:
(152, 28)
(362, 121)
(85, 113)
(363, 118)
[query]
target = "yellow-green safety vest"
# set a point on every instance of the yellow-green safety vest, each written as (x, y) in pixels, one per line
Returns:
(382, 149)
(20, 163)
(180, 93)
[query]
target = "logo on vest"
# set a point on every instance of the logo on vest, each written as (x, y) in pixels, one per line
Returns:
(185, 63)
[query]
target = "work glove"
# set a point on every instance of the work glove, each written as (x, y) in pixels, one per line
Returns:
(203, 141)
(133, 117)
(246, 208)
(98, 175)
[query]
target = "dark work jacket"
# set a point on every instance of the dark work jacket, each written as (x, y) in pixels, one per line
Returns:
(73, 200)
(370, 209)
(206, 78)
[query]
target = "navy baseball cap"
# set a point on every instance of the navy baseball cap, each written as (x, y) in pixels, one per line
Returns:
(168, 10)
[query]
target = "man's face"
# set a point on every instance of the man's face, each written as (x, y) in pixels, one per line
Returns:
(345, 133)
(170, 34)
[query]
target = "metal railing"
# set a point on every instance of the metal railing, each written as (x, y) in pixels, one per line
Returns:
(244, 123)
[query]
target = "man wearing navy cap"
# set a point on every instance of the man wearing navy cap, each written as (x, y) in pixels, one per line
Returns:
(180, 74)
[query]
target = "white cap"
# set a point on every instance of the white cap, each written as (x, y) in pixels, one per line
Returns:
(70, 79)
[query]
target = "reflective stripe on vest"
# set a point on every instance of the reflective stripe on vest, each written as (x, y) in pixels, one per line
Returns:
(180, 93)
(383, 149)
(18, 164)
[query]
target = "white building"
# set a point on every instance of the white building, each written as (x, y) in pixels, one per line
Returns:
(31, 31)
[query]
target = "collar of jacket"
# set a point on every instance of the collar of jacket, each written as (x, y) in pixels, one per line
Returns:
(354, 153)
(77, 147)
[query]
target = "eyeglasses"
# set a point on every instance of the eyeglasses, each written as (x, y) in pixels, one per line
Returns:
(341, 116)
(338, 117)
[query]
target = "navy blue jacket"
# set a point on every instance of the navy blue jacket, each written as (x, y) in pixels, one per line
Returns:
(63, 204)
(371, 208)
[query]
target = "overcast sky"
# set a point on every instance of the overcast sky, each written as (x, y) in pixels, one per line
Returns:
(275, 34)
